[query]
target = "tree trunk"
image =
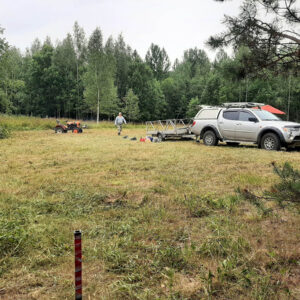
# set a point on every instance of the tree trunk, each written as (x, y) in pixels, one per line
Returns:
(246, 89)
(77, 80)
(289, 98)
(98, 104)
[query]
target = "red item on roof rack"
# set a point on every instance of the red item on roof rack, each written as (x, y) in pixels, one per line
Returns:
(271, 109)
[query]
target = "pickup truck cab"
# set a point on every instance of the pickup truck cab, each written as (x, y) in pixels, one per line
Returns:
(247, 123)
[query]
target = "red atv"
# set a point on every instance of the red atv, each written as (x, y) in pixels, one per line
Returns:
(75, 127)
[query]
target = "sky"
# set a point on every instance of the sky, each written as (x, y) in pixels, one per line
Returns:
(176, 25)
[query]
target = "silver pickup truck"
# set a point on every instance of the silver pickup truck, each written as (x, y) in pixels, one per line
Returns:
(245, 122)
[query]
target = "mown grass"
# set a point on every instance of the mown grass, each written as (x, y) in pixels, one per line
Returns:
(159, 220)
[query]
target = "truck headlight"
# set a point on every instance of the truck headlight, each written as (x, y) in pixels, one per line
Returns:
(288, 129)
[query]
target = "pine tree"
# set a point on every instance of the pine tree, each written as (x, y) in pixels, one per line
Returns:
(123, 57)
(131, 110)
(158, 61)
(269, 29)
(64, 60)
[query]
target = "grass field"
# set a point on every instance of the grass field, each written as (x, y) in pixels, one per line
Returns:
(159, 220)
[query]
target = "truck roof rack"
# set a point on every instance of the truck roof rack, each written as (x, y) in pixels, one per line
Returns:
(242, 104)
(208, 106)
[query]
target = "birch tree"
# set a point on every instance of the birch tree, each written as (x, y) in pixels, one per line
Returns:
(99, 78)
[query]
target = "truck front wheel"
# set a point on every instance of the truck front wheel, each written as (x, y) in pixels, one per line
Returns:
(270, 141)
(210, 138)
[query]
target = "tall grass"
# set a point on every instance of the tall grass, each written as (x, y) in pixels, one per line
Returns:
(4, 132)
(111, 125)
(24, 123)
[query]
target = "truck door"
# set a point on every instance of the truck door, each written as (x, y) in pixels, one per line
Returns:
(227, 124)
(246, 130)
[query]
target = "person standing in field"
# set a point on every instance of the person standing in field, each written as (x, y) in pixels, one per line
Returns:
(119, 121)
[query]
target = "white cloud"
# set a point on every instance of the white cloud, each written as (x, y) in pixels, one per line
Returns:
(174, 24)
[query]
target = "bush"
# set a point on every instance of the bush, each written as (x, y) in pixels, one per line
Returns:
(288, 189)
(4, 132)
(284, 192)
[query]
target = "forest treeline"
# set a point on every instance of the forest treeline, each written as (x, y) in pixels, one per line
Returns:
(92, 78)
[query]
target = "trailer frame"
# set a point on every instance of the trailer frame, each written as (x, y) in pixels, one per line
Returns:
(171, 128)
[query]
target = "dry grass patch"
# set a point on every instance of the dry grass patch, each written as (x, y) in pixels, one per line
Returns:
(159, 220)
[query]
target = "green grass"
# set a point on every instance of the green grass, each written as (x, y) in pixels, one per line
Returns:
(24, 123)
(159, 220)
(111, 125)
(5, 132)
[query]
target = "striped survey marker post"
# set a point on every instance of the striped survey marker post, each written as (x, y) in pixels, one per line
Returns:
(78, 265)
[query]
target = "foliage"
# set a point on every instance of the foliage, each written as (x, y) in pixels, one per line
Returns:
(285, 192)
(5, 105)
(158, 61)
(197, 60)
(193, 107)
(148, 90)
(12, 86)
(123, 56)
(99, 79)
(91, 78)
(3, 44)
(131, 109)
(288, 189)
(4, 131)
(174, 89)
(273, 40)
(44, 83)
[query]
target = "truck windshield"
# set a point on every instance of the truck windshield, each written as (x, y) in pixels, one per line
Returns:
(266, 116)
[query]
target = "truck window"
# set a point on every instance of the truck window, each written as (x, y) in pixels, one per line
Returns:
(244, 116)
(208, 114)
(231, 115)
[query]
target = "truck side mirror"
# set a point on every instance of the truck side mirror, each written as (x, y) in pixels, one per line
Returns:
(253, 120)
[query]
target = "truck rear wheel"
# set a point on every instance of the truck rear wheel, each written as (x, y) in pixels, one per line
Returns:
(210, 138)
(270, 141)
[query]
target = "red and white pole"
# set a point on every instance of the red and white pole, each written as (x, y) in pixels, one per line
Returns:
(78, 265)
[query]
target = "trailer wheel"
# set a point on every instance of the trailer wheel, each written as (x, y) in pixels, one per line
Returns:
(210, 138)
(160, 137)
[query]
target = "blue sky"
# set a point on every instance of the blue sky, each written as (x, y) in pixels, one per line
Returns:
(175, 25)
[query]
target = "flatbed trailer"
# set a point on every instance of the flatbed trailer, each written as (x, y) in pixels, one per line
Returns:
(172, 128)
